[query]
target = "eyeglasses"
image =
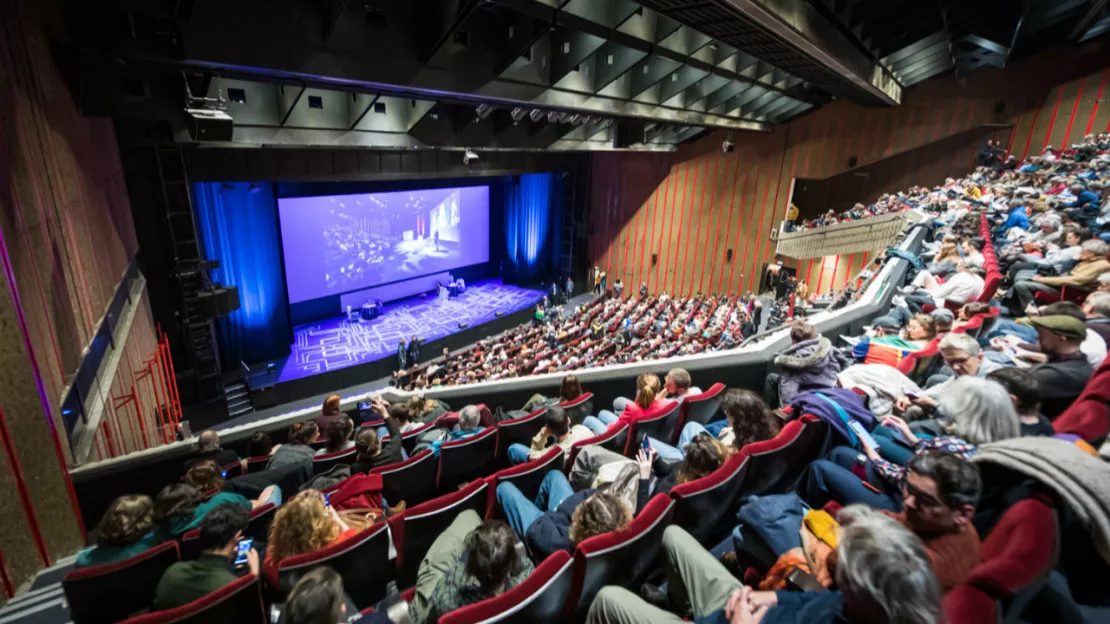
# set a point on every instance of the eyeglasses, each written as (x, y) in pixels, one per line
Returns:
(923, 499)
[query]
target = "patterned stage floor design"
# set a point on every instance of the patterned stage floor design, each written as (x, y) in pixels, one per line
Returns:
(335, 343)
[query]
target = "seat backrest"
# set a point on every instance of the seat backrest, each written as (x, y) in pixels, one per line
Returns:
(362, 561)
(662, 425)
(623, 557)
(613, 439)
(416, 528)
(324, 463)
(232, 470)
(466, 459)
(258, 525)
(527, 477)
(234, 603)
(190, 544)
(702, 505)
(702, 408)
(111, 592)
(1019, 551)
(964, 604)
(257, 464)
(411, 438)
(990, 285)
(412, 481)
(579, 408)
(777, 465)
(539, 599)
(519, 431)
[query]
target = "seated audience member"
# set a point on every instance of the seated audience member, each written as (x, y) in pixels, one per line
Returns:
(181, 507)
(470, 423)
(809, 363)
(557, 431)
(701, 456)
(569, 390)
(297, 449)
(646, 402)
(373, 450)
(469, 562)
(747, 420)
(338, 436)
(125, 530)
(1092, 263)
(306, 524)
(424, 411)
(1057, 259)
(883, 575)
(976, 411)
(677, 386)
(1025, 392)
(260, 445)
(969, 311)
(1067, 370)
(329, 413)
(186, 581)
(208, 447)
(962, 355)
(559, 518)
(964, 286)
(400, 416)
(1097, 310)
(318, 598)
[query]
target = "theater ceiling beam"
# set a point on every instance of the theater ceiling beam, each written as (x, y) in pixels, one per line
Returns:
(1079, 31)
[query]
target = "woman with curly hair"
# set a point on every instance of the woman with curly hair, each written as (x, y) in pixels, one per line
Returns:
(704, 454)
(125, 530)
(306, 524)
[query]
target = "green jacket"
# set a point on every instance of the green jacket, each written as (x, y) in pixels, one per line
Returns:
(186, 581)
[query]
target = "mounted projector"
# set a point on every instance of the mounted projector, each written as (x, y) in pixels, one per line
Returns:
(206, 124)
(469, 156)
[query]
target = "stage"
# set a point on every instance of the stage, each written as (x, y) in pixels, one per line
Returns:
(335, 353)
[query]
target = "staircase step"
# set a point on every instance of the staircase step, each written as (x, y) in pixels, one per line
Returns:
(238, 393)
(246, 409)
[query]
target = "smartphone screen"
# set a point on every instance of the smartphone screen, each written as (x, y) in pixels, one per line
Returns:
(244, 548)
(863, 435)
(327, 499)
(364, 405)
(647, 445)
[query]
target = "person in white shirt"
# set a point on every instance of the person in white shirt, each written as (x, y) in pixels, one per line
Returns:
(971, 256)
(964, 286)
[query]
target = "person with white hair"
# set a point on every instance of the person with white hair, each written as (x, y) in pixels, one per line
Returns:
(470, 423)
(963, 356)
(883, 574)
(1092, 263)
(972, 412)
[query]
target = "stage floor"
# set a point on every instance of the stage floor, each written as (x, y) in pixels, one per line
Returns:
(335, 343)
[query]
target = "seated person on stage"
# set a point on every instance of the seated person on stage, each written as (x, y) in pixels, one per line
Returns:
(208, 447)
(1092, 263)
(976, 411)
(306, 524)
(186, 581)
(883, 574)
(338, 436)
(469, 562)
(557, 431)
(559, 518)
(125, 530)
(646, 402)
(1025, 392)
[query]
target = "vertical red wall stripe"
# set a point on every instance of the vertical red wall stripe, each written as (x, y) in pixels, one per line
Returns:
(808, 145)
(820, 276)
(1074, 110)
(649, 214)
(691, 229)
(738, 288)
(739, 258)
(809, 274)
(630, 229)
(1094, 109)
(1052, 120)
(1013, 132)
(955, 116)
(728, 228)
(680, 231)
(848, 273)
(695, 228)
(756, 274)
(657, 224)
(665, 254)
(703, 269)
(1029, 137)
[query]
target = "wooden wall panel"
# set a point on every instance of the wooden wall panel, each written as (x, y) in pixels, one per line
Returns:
(674, 205)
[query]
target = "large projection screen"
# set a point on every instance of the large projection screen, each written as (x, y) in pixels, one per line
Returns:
(340, 243)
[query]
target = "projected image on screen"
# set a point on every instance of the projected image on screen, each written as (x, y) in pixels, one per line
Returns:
(339, 243)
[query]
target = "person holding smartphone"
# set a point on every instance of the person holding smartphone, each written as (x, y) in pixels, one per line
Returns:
(225, 555)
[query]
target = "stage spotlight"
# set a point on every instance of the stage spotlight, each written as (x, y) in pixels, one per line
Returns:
(271, 367)
(517, 114)
(499, 314)
(463, 325)
(552, 116)
(482, 111)
(469, 156)
(536, 114)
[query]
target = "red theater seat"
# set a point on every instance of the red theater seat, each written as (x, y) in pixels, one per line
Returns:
(412, 481)
(362, 561)
(519, 431)
(416, 528)
(613, 439)
(1089, 415)
(703, 505)
(239, 602)
(258, 526)
(776, 465)
(661, 425)
(467, 459)
(623, 557)
(411, 438)
(579, 408)
(540, 599)
(109, 593)
(257, 464)
(324, 463)
(232, 470)
(528, 476)
(702, 408)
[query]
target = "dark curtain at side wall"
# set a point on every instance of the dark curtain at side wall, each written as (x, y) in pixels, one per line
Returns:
(238, 226)
(532, 232)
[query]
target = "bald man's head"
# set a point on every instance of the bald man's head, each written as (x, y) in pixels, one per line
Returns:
(209, 440)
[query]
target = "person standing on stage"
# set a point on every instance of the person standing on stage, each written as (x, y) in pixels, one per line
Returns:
(569, 291)
(643, 290)
(602, 291)
(414, 350)
(554, 291)
(618, 288)
(597, 280)
(401, 355)
(437, 240)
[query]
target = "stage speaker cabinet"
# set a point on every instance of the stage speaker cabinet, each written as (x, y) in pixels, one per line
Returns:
(628, 132)
(219, 302)
(728, 255)
(654, 259)
(209, 125)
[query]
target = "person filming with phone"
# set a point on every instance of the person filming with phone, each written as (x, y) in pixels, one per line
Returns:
(224, 553)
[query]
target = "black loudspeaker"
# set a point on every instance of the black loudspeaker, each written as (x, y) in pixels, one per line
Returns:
(999, 107)
(219, 302)
(728, 255)
(852, 160)
(209, 125)
(654, 259)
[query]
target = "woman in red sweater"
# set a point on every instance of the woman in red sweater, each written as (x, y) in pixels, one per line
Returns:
(646, 402)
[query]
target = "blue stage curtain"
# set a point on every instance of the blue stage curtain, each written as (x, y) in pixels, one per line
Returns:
(238, 226)
(530, 227)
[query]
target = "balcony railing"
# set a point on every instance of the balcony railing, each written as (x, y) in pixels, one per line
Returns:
(842, 238)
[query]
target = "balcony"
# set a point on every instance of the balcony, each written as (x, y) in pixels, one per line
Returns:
(868, 234)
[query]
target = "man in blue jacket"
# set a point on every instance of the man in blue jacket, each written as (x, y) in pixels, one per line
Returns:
(1018, 218)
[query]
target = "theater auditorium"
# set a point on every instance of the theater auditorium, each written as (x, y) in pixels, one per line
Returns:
(550, 311)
